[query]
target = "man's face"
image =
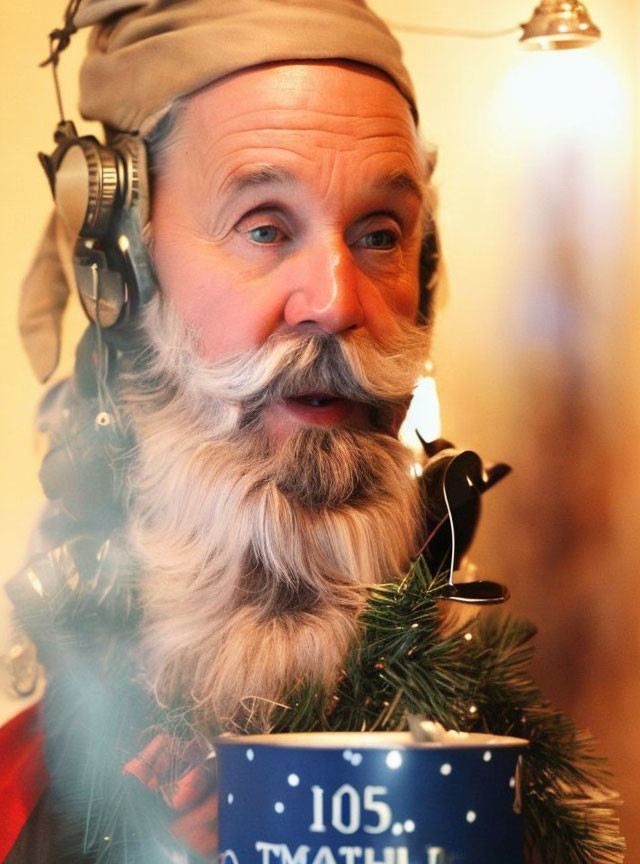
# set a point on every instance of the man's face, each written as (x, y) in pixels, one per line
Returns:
(291, 200)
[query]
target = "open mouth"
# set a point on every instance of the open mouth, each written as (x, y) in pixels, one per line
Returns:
(316, 400)
(322, 409)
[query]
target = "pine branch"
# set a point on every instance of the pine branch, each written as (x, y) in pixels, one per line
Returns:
(570, 813)
(471, 678)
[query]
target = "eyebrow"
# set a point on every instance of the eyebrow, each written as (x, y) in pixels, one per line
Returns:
(267, 175)
(401, 181)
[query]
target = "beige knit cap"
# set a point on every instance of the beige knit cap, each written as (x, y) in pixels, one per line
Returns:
(143, 55)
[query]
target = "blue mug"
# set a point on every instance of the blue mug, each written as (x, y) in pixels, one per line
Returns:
(369, 798)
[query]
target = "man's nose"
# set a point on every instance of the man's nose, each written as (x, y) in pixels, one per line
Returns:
(325, 290)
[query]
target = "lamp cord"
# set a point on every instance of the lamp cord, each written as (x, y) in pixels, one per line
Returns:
(453, 31)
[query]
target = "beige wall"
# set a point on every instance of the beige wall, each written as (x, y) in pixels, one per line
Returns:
(29, 115)
(536, 350)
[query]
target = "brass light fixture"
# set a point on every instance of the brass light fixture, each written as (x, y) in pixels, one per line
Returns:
(558, 24)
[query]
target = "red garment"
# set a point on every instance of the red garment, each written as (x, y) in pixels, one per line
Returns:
(191, 794)
(188, 786)
(23, 775)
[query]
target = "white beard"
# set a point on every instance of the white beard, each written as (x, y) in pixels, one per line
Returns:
(254, 559)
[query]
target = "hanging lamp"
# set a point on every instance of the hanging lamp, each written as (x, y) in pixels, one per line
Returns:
(558, 24)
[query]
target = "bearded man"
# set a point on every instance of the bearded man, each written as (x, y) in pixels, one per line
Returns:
(286, 349)
(225, 473)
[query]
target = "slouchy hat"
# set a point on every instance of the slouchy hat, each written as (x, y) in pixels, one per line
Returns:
(144, 55)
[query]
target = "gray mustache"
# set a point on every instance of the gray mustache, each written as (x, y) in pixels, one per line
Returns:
(324, 369)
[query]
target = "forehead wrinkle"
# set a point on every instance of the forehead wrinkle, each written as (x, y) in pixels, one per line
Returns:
(253, 171)
(330, 125)
(350, 130)
(267, 174)
(297, 116)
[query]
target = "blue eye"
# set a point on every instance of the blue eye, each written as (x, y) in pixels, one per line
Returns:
(382, 239)
(265, 234)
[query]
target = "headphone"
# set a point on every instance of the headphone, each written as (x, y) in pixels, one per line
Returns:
(101, 194)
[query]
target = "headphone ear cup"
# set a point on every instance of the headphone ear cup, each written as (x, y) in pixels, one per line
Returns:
(89, 185)
(133, 152)
(102, 196)
(127, 249)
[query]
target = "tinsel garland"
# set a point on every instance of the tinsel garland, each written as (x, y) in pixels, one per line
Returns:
(471, 678)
